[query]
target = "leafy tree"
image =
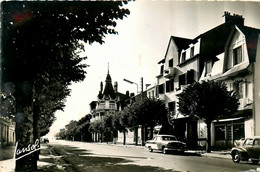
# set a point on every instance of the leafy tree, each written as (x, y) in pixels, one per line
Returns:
(83, 128)
(39, 48)
(121, 121)
(208, 101)
(71, 130)
(97, 127)
(149, 112)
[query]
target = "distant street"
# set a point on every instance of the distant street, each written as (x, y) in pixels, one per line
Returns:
(80, 156)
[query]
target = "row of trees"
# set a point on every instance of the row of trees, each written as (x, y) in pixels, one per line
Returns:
(146, 113)
(41, 42)
(201, 100)
(76, 130)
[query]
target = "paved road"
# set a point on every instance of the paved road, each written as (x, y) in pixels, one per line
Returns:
(101, 157)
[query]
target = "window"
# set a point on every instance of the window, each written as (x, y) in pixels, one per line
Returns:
(183, 57)
(208, 66)
(111, 106)
(239, 131)
(192, 52)
(161, 89)
(171, 106)
(161, 72)
(169, 85)
(190, 76)
(152, 94)
(171, 63)
(237, 55)
(102, 106)
(220, 132)
(249, 142)
(182, 80)
(238, 88)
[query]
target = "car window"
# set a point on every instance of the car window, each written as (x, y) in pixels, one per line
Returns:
(249, 142)
(257, 141)
(169, 138)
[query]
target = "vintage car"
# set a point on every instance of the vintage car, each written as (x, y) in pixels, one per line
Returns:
(165, 143)
(246, 149)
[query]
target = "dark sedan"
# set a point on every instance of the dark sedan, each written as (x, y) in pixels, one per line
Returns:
(247, 149)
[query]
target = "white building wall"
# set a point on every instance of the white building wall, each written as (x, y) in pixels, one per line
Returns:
(256, 112)
(249, 128)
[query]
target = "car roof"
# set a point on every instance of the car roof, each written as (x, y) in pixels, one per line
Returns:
(253, 137)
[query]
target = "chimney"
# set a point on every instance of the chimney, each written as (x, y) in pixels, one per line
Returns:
(115, 87)
(127, 93)
(235, 18)
(101, 86)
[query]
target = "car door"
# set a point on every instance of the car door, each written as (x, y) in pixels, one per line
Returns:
(255, 152)
(154, 143)
(248, 146)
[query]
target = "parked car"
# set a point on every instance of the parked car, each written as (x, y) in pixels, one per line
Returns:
(246, 149)
(165, 143)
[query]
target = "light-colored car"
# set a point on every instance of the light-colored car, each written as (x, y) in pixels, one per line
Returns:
(165, 143)
(246, 149)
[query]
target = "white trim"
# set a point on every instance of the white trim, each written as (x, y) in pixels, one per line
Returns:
(229, 119)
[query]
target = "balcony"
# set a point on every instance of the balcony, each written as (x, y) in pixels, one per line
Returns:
(244, 103)
(180, 89)
(170, 72)
(162, 96)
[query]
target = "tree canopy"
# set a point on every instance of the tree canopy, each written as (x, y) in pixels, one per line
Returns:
(207, 100)
(40, 54)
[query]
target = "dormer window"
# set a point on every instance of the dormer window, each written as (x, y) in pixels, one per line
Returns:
(161, 71)
(191, 52)
(237, 55)
(183, 57)
(171, 63)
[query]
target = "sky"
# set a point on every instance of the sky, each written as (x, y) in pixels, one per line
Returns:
(141, 43)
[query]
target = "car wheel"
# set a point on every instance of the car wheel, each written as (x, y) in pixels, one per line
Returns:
(236, 157)
(255, 161)
(150, 149)
(164, 151)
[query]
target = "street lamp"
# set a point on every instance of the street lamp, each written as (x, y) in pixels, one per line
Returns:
(131, 82)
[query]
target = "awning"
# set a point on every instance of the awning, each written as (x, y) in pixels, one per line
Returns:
(228, 119)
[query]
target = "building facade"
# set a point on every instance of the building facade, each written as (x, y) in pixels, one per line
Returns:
(236, 66)
(228, 53)
(7, 130)
(106, 103)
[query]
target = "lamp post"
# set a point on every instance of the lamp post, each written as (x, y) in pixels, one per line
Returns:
(132, 83)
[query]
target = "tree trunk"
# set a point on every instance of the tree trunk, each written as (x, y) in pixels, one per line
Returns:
(23, 131)
(124, 139)
(208, 147)
(142, 135)
(151, 131)
(136, 136)
(24, 126)
(36, 134)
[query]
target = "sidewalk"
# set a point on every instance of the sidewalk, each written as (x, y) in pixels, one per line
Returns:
(216, 154)
(7, 162)
(47, 161)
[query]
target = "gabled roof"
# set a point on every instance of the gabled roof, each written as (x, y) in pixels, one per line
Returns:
(180, 43)
(251, 35)
(213, 41)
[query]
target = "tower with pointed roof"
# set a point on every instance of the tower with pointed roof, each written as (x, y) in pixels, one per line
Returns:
(107, 100)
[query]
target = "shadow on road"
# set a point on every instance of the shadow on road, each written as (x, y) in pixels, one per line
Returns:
(74, 159)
